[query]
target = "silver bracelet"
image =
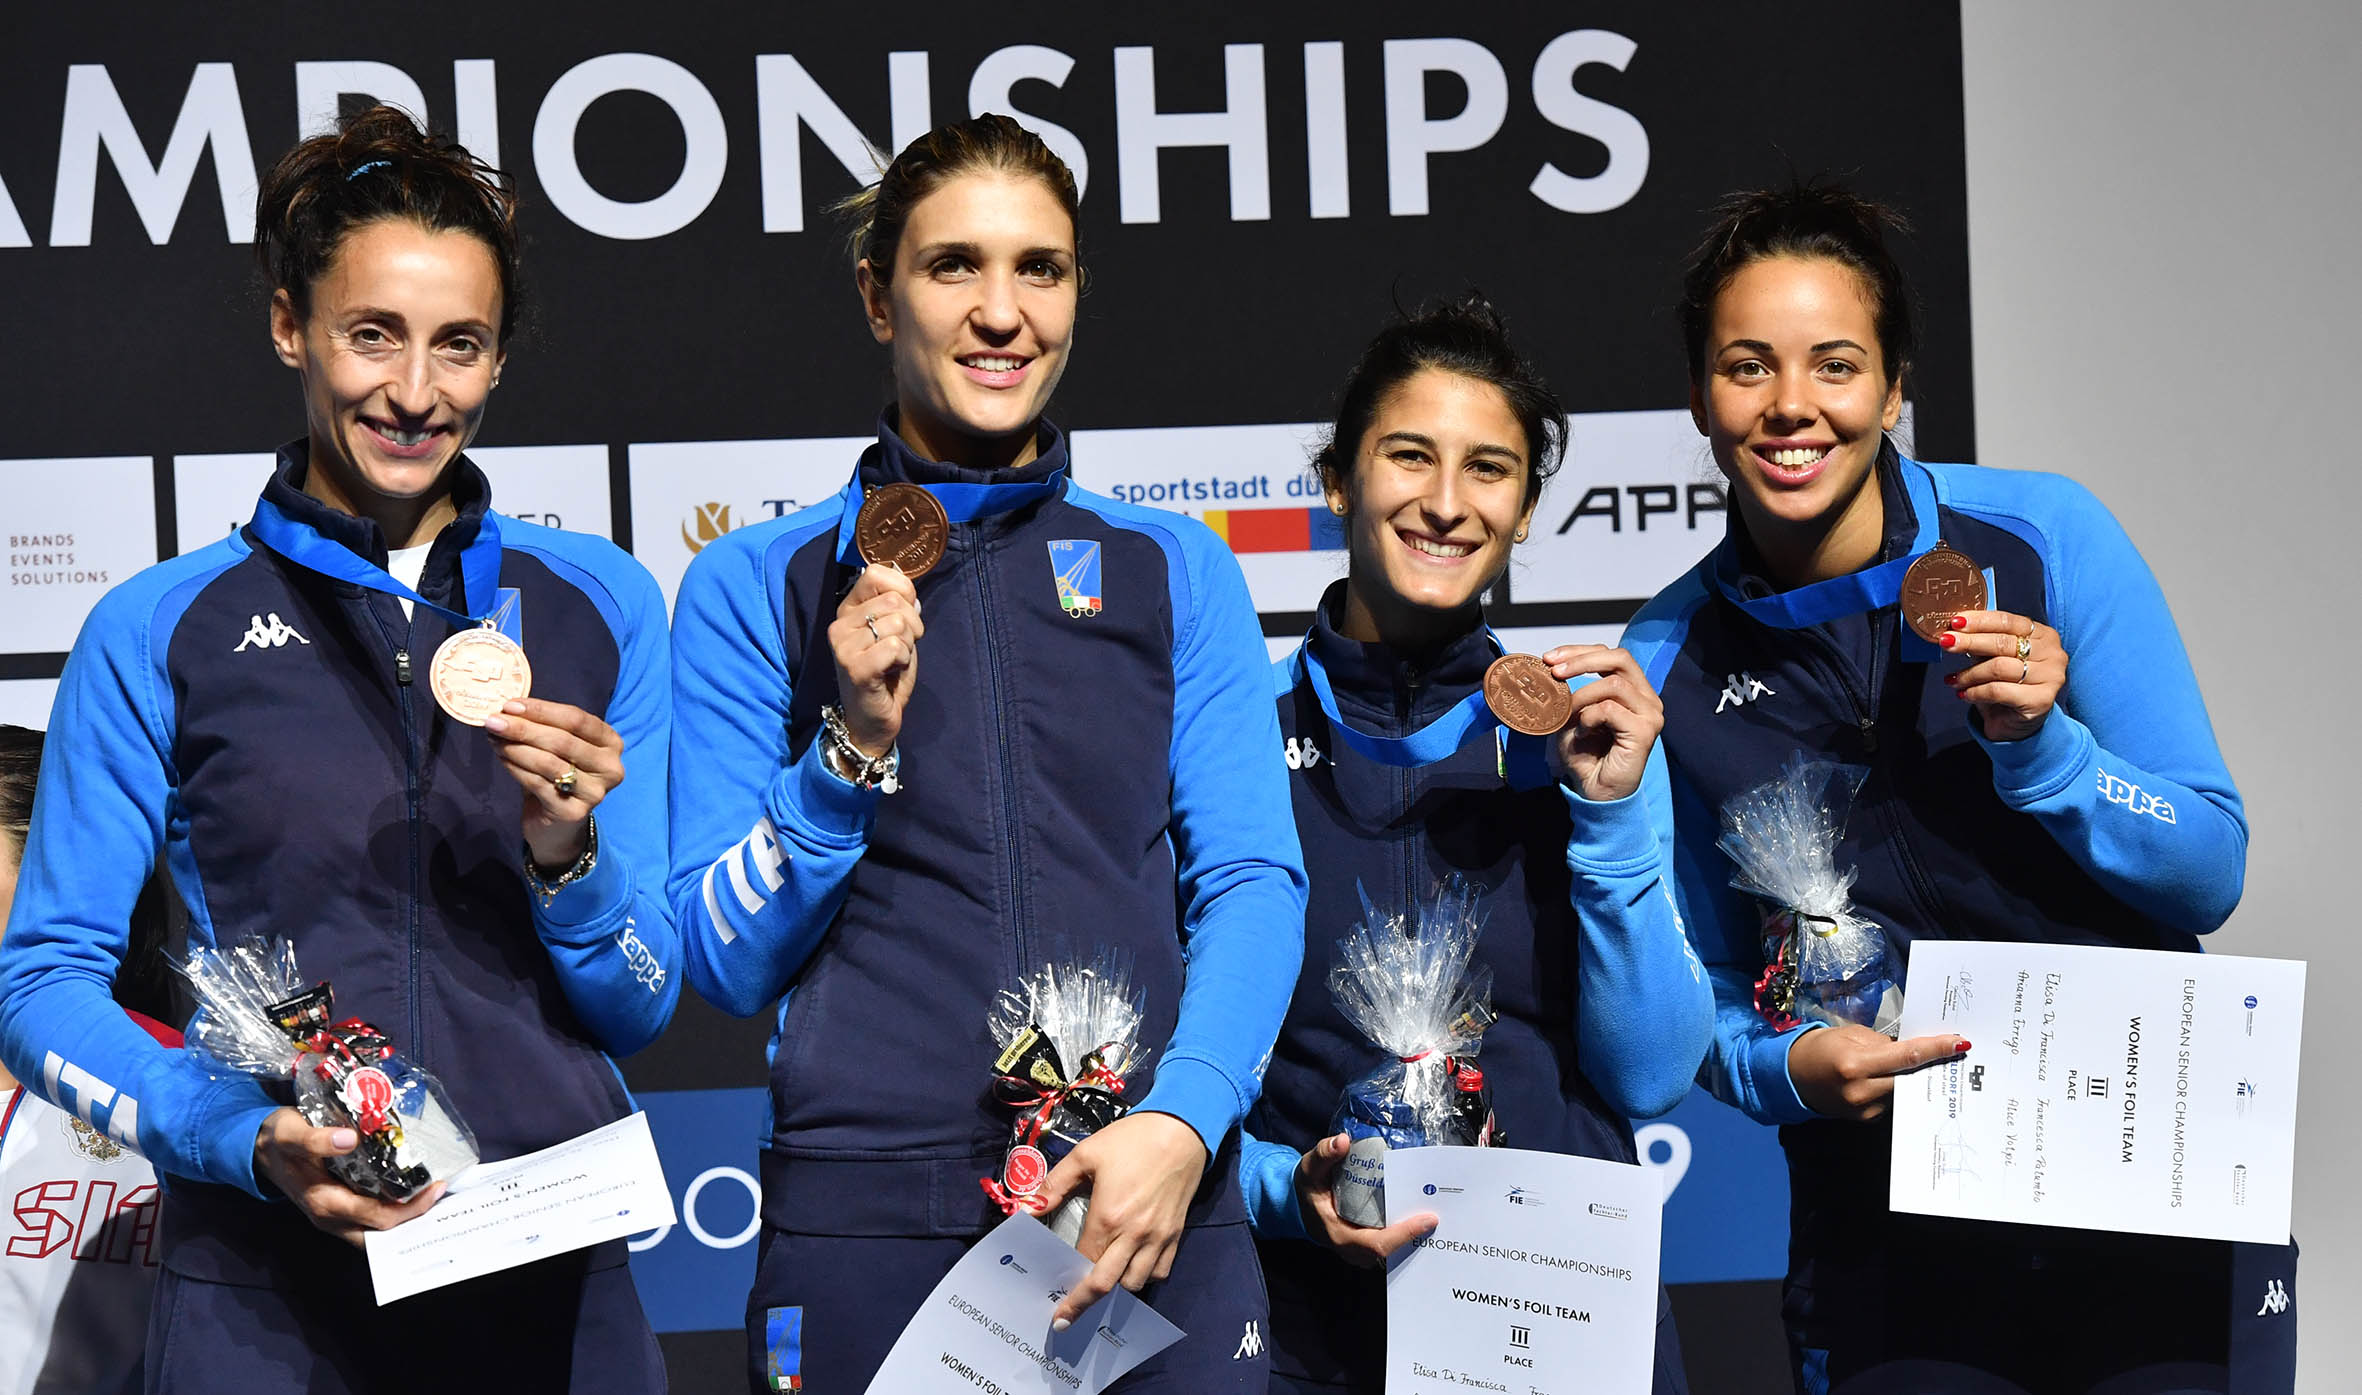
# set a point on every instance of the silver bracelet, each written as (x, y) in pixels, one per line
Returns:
(880, 773)
(547, 888)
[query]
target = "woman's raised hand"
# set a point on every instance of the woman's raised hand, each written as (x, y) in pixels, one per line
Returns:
(875, 638)
(1603, 748)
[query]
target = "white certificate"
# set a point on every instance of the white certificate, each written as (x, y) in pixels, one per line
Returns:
(2109, 1089)
(602, 1186)
(987, 1325)
(1540, 1277)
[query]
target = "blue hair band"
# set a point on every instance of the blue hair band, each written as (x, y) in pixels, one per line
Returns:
(359, 170)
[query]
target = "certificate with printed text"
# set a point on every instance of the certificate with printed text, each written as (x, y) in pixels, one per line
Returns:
(2107, 1089)
(600, 1186)
(986, 1327)
(1539, 1279)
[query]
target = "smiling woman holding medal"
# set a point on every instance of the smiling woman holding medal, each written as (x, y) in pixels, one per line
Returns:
(1977, 658)
(289, 719)
(961, 723)
(1420, 753)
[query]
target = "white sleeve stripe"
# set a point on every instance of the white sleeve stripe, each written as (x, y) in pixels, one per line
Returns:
(748, 898)
(713, 909)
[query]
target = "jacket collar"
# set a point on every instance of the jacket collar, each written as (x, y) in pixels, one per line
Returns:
(1384, 690)
(471, 495)
(893, 461)
(1906, 488)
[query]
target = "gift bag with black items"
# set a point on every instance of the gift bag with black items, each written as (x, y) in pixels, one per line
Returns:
(256, 1016)
(1070, 1039)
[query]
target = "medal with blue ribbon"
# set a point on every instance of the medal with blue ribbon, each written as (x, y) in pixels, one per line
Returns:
(1522, 758)
(482, 665)
(892, 525)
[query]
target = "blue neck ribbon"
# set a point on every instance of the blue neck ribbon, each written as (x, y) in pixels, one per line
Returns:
(479, 565)
(1524, 760)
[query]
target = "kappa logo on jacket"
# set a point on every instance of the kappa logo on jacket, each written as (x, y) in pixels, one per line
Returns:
(269, 636)
(2275, 1299)
(2133, 797)
(1249, 1345)
(1741, 688)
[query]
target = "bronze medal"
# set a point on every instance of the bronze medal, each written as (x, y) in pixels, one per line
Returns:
(1526, 695)
(904, 525)
(1938, 586)
(476, 672)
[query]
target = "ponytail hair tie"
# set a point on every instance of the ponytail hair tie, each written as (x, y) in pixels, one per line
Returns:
(362, 169)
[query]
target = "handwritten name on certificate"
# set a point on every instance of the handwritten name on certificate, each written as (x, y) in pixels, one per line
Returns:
(2108, 1089)
(987, 1325)
(1540, 1277)
(602, 1186)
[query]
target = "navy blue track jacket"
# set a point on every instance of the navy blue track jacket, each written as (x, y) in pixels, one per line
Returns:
(266, 731)
(2114, 824)
(1085, 762)
(1604, 1009)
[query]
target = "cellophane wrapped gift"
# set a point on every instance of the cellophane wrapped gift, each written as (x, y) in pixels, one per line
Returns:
(256, 1016)
(1407, 979)
(1823, 960)
(1069, 1039)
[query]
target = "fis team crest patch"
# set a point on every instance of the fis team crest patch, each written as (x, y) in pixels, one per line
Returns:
(783, 1332)
(1074, 565)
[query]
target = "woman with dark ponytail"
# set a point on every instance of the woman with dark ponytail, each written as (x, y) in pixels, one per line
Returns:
(1981, 813)
(283, 720)
(1401, 778)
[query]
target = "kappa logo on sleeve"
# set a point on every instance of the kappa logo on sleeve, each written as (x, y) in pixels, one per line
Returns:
(272, 635)
(2133, 797)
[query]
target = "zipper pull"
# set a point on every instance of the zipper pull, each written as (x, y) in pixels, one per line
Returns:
(1869, 734)
(402, 667)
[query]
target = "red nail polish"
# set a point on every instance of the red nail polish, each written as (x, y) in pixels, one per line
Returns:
(1962, 1048)
(1946, 640)
(1959, 622)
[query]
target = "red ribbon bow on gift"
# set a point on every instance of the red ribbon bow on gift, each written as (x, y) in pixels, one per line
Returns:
(1037, 1104)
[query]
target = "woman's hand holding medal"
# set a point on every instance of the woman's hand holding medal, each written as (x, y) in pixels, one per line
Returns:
(1603, 746)
(566, 760)
(2021, 668)
(875, 639)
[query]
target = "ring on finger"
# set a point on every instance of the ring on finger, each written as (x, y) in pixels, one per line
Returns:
(2025, 670)
(2025, 646)
(564, 783)
(872, 622)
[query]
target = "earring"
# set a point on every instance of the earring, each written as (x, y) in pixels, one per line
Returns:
(1520, 536)
(1337, 509)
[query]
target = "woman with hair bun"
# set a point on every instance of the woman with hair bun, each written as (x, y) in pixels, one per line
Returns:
(930, 745)
(1443, 440)
(1981, 813)
(269, 718)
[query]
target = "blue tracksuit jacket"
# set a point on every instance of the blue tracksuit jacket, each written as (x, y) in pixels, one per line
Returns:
(1077, 774)
(2114, 824)
(266, 731)
(1604, 1009)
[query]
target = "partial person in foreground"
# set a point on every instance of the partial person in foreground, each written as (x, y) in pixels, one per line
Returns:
(1443, 440)
(1980, 812)
(925, 750)
(81, 1253)
(266, 718)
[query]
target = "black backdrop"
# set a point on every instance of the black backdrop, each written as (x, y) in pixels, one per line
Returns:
(724, 331)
